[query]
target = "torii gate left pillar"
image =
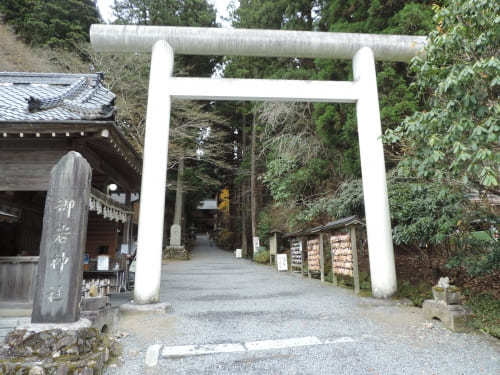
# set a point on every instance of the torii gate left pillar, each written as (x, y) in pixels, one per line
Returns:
(154, 177)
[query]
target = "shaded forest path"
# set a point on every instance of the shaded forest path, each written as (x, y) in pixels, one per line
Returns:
(232, 316)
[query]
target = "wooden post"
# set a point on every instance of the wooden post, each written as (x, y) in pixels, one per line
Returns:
(334, 278)
(301, 239)
(354, 247)
(126, 240)
(272, 248)
(321, 258)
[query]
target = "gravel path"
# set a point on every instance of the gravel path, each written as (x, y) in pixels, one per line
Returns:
(218, 299)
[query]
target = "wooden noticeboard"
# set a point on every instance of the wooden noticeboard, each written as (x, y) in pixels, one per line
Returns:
(313, 256)
(296, 255)
(345, 254)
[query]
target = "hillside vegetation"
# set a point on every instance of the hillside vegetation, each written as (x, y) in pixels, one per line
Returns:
(16, 56)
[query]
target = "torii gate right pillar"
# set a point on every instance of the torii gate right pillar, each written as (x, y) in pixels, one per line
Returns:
(378, 220)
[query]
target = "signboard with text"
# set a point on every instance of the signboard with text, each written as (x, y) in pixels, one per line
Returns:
(282, 262)
(256, 245)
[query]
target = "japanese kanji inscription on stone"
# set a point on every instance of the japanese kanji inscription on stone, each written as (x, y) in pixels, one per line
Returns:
(57, 295)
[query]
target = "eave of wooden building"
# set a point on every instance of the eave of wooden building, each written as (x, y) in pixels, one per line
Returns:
(28, 150)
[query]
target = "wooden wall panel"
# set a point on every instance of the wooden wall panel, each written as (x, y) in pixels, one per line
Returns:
(27, 170)
(29, 234)
(17, 278)
(101, 232)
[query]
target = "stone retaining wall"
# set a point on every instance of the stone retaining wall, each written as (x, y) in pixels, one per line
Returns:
(63, 352)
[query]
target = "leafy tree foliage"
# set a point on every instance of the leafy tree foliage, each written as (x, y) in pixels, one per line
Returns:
(172, 13)
(455, 138)
(295, 165)
(478, 256)
(53, 23)
(336, 123)
(424, 215)
(193, 13)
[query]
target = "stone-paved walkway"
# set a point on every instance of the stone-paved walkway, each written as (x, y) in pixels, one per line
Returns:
(248, 319)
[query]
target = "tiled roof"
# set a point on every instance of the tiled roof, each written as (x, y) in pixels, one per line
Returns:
(341, 223)
(54, 97)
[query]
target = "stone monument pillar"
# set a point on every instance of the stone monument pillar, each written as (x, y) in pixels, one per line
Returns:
(58, 287)
(176, 229)
(175, 235)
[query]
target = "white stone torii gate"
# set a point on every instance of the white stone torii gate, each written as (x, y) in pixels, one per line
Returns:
(164, 41)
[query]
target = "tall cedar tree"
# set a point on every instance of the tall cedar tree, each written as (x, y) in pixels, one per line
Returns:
(190, 120)
(269, 15)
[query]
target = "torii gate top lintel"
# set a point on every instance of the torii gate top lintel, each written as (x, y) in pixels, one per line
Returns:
(254, 42)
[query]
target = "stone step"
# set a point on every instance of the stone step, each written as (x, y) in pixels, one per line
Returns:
(8, 324)
(13, 322)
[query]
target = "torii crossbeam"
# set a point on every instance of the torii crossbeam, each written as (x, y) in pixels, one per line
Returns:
(165, 41)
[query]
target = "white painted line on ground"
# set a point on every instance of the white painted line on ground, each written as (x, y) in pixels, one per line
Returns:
(339, 340)
(191, 350)
(283, 343)
(186, 350)
(152, 355)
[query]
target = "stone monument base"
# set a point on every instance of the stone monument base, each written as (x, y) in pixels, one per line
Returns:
(40, 327)
(104, 319)
(176, 252)
(132, 308)
(56, 349)
(454, 317)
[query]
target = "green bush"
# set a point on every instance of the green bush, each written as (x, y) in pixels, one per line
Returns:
(329, 276)
(264, 224)
(225, 239)
(365, 281)
(424, 214)
(477, 255)
(486, 314)
(417, 294)
(261, 257)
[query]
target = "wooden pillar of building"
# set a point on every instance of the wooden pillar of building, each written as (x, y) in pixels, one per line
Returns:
(354, 247)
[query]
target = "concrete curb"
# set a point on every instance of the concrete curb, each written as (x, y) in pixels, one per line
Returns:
(132, 308)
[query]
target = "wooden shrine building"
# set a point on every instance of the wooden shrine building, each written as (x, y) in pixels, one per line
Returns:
(42, 117)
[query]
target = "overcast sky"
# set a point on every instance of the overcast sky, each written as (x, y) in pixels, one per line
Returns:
(220, 5)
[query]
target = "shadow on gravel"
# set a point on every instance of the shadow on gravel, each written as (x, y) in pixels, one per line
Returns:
(260, 316)
(236, 297)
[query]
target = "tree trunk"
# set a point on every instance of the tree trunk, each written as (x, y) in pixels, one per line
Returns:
(253, 193)
(243, 213)
(179, 192)
(244, 206)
